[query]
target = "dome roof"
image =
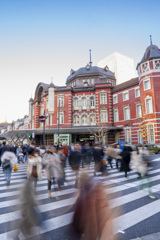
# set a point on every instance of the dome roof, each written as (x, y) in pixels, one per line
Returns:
(89, 70)
(151, 52)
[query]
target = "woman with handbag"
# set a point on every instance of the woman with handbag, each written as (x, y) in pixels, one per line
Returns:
(9, 160)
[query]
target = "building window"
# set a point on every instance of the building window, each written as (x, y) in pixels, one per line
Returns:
(147, 84)
(104, 116)
(60, 101)
(92, 81)
(92, 119)
(84, 102)
(92, 102)
(103, 98)
(151, 137)
(149, 107)
(125, 96)
(61, 118)
(115, 99)
(75, 103)
(140, 137)
(41, 110)
(84, 120)
(138, 110)
(128, 135)
(126, 113)
(116, 117)
(137, 92)
(76, 119)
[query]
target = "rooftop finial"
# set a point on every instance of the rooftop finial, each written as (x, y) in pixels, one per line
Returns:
(90, 58)
(150, 39)
(51, 79)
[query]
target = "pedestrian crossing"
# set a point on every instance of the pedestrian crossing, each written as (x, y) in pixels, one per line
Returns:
(131, 207)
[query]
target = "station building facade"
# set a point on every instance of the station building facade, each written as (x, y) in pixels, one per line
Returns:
(91, 101)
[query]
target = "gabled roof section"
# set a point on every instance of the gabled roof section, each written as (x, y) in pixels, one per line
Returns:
(125, 85)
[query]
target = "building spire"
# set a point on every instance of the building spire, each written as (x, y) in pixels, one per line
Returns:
(90, 57)
(51, 79)
(150, 39)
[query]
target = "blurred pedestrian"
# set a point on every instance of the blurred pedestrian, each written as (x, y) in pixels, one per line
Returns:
(34, 166)
(65, 152)
(92, 217)
(87, 154)
(30, 214)
(53, 168)
(98, 155)
(125, 162)
(140, 162)
(75, 160)
(62, 158)
(3, 149)
(9, 160)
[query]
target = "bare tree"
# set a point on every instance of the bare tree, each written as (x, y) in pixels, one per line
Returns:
(100, 131)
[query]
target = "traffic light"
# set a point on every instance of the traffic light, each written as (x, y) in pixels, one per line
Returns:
(29, 136)
(42, 118)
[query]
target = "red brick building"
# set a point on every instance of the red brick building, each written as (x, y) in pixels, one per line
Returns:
(91, 99)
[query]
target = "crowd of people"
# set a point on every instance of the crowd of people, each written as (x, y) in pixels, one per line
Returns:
(52, 161)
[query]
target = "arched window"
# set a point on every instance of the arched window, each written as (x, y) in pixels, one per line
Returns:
(92, 119)
(84, 102)
(92, 103)
(76, 119)
(75, 103)
(84, 120)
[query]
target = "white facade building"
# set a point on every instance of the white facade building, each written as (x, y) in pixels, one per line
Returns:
(122, 66)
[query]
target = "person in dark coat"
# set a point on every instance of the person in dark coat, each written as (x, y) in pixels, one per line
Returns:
(126, 157)
(97, 156)
(87, 154)
(75, 160)
(3, 149)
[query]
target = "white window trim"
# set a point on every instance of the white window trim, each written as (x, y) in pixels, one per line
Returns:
(74, 100)
(90, 119)
(123, 96)
(137, 88)
(60, 96)
(129, 112)
(153, 132)
(81, 120)
(76, 124)
(138, 104)
(92, 96)
(115, 95)
(114, 115)
(130, 134)
(145, 80)
(106, 111)
(148, 97)
(100, 98)
(84, 97)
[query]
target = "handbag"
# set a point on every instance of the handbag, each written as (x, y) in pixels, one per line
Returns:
(6, 164)
(15, 168)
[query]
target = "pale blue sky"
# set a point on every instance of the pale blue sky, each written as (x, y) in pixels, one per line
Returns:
(44, 39)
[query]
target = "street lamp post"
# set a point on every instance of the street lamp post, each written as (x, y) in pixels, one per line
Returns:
(58, 116)
(43, 119)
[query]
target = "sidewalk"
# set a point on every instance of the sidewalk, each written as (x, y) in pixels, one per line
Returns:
(153, 236)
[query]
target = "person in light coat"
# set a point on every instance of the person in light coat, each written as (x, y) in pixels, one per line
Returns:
(53, 168)
(11, 157)
(34, 166)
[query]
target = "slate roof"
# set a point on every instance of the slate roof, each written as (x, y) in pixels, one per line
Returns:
(151, 52)
(127, 84)
(94, 70)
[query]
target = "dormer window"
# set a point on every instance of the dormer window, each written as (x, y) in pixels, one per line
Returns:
(88, 66)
